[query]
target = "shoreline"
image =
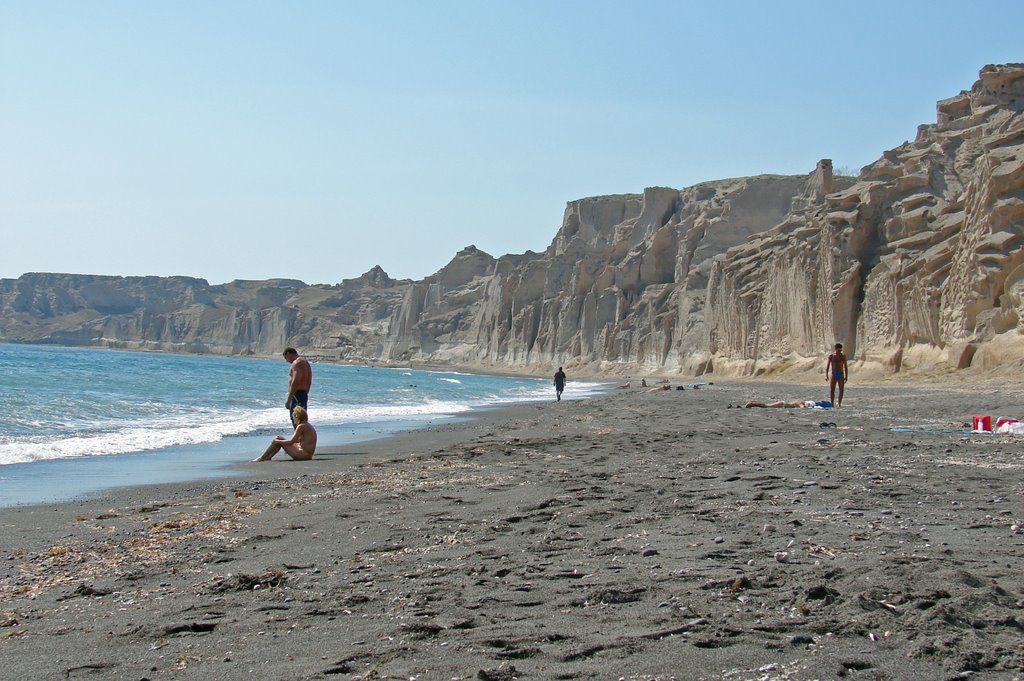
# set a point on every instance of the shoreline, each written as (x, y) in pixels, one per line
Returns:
(646, 535)
(65, 480)
(806, 370)
(85, 447)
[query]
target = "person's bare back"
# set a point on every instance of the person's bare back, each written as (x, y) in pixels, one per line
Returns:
(304, 441)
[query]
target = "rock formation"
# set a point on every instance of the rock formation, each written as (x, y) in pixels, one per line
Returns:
(182, 314)
(915, 263)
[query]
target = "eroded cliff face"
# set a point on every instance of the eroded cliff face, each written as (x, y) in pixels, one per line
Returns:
(915, 263)
(625, 279)
(622, 285)
(181, 314)
(918, 264)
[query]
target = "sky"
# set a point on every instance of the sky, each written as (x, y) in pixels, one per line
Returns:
(314, 140)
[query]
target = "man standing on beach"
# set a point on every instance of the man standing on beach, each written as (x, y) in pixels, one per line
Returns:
(836, 373)
(559, 383)
(300, 378)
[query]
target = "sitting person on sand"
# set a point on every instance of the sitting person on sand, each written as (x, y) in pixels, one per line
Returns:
(791, 404)
(300, 446)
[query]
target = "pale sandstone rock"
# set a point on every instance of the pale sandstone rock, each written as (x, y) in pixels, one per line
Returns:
(913, 266)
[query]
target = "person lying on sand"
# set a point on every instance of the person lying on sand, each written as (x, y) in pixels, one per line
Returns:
(660, 388)
(300, 446)
(790, 404)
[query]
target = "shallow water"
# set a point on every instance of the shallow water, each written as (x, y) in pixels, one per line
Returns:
(78, 420)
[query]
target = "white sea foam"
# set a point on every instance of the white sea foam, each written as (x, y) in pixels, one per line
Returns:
(543, 392)
(197, 429)
(111, 402)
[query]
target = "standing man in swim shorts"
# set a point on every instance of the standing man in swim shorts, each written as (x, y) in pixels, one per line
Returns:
(559, 383)
(836, 373)
(300, 378)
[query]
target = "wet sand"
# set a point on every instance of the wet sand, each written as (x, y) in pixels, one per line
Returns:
(640, 536)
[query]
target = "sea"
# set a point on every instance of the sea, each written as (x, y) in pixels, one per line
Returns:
(77, 421)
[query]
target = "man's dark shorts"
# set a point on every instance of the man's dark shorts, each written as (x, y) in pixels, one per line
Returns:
(299, 399)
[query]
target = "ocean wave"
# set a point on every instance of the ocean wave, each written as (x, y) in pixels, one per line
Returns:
(113, 402)
(448, 372)
(205, 428)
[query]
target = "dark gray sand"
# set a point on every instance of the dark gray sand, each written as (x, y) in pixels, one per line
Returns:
(640, 536)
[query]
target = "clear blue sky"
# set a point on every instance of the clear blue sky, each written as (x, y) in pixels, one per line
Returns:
(314, 140)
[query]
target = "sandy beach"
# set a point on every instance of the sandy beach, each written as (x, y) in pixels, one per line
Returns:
(643, 535)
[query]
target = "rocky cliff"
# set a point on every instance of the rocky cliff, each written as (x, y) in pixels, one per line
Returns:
(182, 314)
(915, 263)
